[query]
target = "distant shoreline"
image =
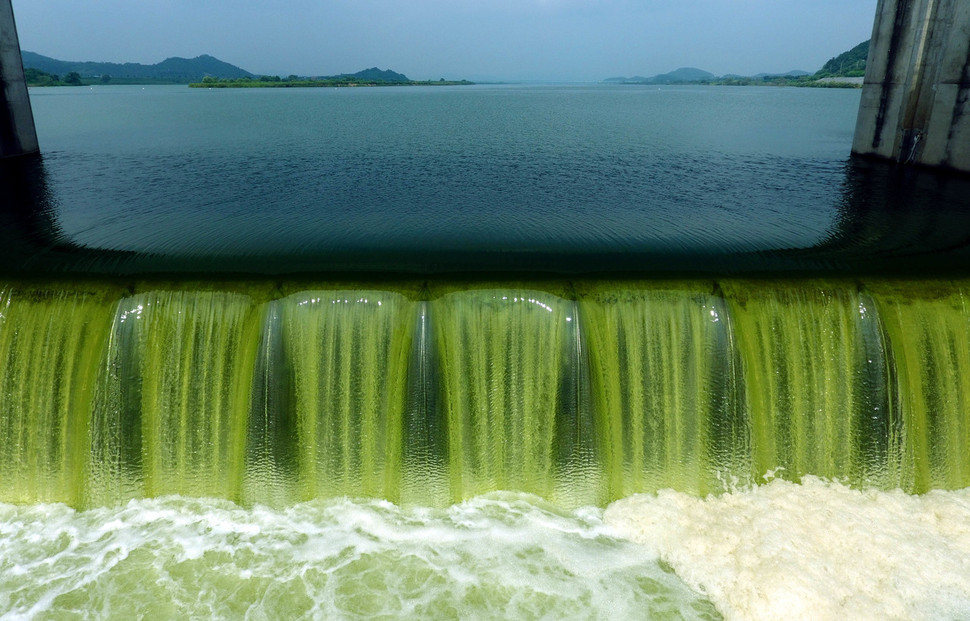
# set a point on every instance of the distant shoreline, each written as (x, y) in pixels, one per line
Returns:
(322, 83)
(829, 82)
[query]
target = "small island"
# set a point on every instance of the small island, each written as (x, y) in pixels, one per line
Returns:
(367, 77)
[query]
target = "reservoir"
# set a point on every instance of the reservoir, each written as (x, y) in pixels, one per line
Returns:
(489, 179)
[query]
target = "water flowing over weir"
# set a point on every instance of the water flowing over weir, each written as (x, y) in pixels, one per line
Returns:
(578, 392)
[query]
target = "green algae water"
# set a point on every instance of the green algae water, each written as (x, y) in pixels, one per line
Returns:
(509, 386)
(245, 449)
(177, 372)
(53, 345)
(816, 383)
(929, 331)
(664, 385)
(497, 556)
(578, 393)
(344, 355)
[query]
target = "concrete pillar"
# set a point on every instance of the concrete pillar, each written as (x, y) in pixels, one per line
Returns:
(17, 134)
(916, 97)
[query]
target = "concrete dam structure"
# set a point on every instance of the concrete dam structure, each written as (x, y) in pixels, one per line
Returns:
(17, 135)
(916, 99)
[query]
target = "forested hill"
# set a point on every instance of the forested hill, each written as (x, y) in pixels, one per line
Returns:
(376, 75)
(847, 64)
(171, 69)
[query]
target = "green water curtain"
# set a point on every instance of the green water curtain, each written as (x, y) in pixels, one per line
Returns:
(580, 392)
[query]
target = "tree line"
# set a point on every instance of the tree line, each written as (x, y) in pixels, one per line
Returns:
(36, 77)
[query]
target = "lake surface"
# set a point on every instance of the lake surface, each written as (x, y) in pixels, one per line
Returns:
(477, 178)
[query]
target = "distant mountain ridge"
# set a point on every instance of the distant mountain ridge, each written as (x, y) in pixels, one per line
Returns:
(175, 69)
(376, 75)
(848, 64)
(684, 74)
(794, 73)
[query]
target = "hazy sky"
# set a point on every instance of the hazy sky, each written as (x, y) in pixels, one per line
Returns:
(572, 40)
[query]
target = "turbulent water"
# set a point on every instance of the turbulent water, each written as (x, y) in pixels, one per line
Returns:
(815, 550)
(500, 556)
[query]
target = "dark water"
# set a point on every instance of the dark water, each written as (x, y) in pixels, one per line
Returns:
(567, 179)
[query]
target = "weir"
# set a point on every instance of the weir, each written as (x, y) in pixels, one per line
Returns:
(150, 382)
(580, 392)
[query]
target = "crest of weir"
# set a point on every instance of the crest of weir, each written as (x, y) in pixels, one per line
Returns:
(578, 392)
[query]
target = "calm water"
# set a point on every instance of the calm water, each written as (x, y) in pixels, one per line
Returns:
(437, 179)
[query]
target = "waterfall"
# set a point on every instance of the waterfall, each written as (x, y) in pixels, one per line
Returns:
(579, 392)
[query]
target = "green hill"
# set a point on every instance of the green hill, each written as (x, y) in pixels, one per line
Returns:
(851, 64)
(684, 74)
(375, 75)
(847, 64)
(179, 70)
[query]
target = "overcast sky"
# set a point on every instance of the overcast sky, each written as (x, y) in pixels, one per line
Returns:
(555, 40)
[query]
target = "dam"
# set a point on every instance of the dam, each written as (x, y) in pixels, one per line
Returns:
(589, 351)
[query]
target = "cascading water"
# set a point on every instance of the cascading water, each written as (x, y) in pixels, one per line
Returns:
(579, 393)
(168, 418)
(52, 345)
(665, 387)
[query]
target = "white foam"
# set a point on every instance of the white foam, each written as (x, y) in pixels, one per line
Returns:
(815, 550)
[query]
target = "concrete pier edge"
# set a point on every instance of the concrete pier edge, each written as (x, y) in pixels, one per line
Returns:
(915, 106)
(17, 133)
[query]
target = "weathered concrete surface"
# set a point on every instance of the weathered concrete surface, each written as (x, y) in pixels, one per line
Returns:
(916, 97)
(17, 134)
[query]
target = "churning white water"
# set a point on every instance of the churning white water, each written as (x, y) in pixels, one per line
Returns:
(815, 550)
(508, 556)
